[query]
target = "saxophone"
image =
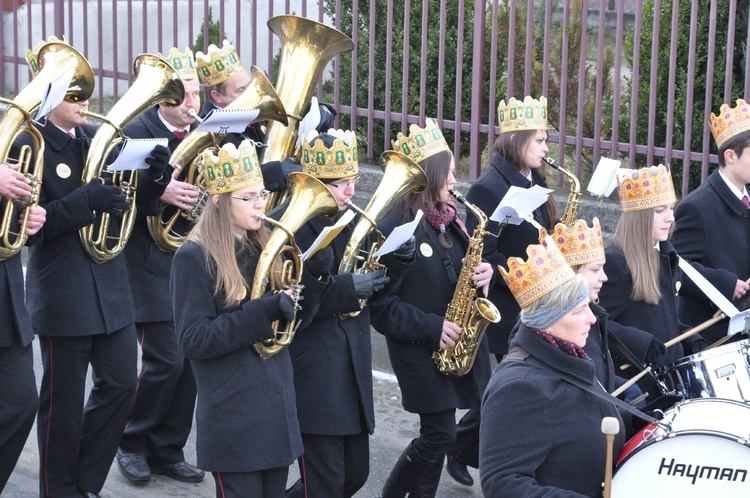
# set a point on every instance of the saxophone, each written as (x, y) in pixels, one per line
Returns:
(473, 314)
(570, 215)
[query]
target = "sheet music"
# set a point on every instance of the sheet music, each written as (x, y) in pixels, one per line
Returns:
(328, 234)
(519, 203)
(604, 179)
(55, 93)
(134, 153)
(228, 120)
(399, 235)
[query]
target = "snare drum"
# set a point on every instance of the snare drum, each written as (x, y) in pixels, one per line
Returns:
(700, 449)
(722, 372)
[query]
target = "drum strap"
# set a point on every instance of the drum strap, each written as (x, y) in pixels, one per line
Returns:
(517, 353)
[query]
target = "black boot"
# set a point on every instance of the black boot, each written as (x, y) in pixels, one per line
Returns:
(427, 486)
(406, 473)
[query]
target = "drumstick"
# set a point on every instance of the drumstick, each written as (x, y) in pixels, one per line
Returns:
(610, 427)
(630, 382)
(695, 330)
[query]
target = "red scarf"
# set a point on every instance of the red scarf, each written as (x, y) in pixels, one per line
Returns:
(561, 344)
(439, 219)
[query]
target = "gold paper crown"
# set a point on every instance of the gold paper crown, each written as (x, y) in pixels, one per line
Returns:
(337, 162)
(232, 170)
(218, 65)
(529, 114)
(421, 143)
(544, 270)
(32, 55)
(579, 244)
(184, 64)
(730, 122)
(647, 188)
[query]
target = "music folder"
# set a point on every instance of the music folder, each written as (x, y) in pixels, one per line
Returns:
(134, 152)
(399, 235)
(518, 204)
(228, 120)
(328, 234)
(56, 90)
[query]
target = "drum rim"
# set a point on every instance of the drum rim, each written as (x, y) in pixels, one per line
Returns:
(711, 353)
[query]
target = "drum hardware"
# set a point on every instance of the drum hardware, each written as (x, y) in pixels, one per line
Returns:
(610, 427)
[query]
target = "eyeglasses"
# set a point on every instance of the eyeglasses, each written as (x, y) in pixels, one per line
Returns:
(346, 183)
(262, 196)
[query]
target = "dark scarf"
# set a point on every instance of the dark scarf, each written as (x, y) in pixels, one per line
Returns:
(439, 219)
(561, 344)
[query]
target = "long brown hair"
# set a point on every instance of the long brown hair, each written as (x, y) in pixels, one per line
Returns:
(214, 232)
(634, 236)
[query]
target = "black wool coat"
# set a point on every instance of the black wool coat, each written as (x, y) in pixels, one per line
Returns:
(486, 193)
(14, 319)
(540, 435)
(68, 294)
(246, 416)
(410, 313)
(712, 229)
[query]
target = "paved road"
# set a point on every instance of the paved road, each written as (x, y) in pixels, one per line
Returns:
(395, 428)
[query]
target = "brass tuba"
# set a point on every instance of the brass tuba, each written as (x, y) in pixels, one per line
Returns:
(156, 82)
(570, 215)
(306, 48)
(55, 59)
(169, 228)
(400, 176)
(309, 198)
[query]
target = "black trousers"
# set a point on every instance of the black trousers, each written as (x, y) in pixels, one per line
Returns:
(77, 445)
(18, 404)
(466, 447)
(261, 484)
(162, 412)
(332, 466)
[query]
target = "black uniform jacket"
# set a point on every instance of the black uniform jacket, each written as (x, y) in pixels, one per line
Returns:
(246, 414)
(486, 193)
(643, 319)
(712, 229)
(14, 319)
(68, 293)
(332, 356)
(410, 313)
(540, 435)
(148, 266)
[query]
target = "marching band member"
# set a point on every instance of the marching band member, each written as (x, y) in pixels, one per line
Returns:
(162, 413)
(517, 161)
(642, 269)
(18, 396)
(332, 356)
(411, 316)
(540, 433)
(246, 418)
(718, 211)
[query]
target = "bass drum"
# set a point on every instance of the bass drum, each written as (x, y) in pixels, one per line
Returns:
(700, 449)
(721, 372)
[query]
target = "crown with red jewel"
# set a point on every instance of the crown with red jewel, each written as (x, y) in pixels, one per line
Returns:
(730, 122)
(32, 55)
(218, 65)
(579, 244)
(421, 143)
(646, 188)
(526, 114)
(234, 168)
(338, 161)
(183, 63)
(544, 270)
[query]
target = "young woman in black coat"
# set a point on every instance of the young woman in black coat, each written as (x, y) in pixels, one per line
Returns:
(246, 417)
(541, 434)
(411, 314)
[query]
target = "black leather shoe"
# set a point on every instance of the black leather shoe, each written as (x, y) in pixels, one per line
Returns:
(181, 471)
(133, 466)
(459, 472)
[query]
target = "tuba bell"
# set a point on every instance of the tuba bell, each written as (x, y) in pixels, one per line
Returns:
(54, 59)
(306, 48)
(156, 82)
(170, 227)
(309, 198)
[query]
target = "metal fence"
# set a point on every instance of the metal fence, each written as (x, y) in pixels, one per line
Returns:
(582, 54)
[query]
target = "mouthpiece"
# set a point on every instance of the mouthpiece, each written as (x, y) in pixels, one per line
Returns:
(458, 196)
(194, 115)
(551, 162)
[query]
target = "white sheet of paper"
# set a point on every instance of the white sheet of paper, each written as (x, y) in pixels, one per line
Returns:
(134, 153)
(604, 179)
(338, 226)
(399, 235)
(228, 120)
(55, 93)
(739, 323)
(708, 289)
(519, 203)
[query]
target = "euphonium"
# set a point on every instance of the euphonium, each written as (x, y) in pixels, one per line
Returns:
(309, 198)
(570, 215)
(55, 59)
(473, 314)
(156, 83)
(306, 48)
(400, 176)
(166, 228)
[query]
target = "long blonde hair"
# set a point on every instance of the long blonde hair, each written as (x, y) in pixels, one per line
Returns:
(214, 232)
(634, 236)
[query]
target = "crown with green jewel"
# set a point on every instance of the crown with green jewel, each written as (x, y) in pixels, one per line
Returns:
(183, 63)
(234, 168)
(32, 55)
(526, 114)
(421, 143)
(218, 65)
(338, 161)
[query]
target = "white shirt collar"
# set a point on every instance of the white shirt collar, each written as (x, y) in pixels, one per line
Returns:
(169, 126)
(739, 193)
